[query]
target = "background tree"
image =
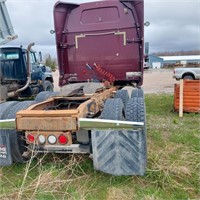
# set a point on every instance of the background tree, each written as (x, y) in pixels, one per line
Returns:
(51, 62)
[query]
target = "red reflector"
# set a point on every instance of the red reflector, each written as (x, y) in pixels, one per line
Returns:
(31, 138)
(62, 139)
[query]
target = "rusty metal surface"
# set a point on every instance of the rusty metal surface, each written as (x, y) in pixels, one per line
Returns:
(46, 123)
(37, 117)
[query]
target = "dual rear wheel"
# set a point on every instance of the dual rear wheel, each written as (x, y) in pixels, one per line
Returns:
(17, 141)
(122, 152)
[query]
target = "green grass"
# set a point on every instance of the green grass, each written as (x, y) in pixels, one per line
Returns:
(7, 125)
(172, 170)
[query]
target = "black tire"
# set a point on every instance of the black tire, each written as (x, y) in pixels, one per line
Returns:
(136, 111)
(122, 94)
(48, 86)
(116, 152)
(42, 96)
(137, 93)
(5, 140)
(113, 109)
(54, 94)
(19, 148)
(188, 77)
(10, 113)
(4, 106)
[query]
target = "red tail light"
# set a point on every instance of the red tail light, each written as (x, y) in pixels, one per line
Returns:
(62, 139)
(31, 138)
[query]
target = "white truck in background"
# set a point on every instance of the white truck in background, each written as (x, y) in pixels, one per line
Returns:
(187, 73)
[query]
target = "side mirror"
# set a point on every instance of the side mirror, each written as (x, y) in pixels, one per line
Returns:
(52, 32)
(43, 68)
(147, 23)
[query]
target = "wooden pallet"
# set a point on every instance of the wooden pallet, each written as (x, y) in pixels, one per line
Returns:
(191, 96)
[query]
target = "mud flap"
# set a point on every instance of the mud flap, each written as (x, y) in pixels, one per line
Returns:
(120, 152)
(5, 148)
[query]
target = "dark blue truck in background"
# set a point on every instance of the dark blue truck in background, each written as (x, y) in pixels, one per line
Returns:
(21, 75)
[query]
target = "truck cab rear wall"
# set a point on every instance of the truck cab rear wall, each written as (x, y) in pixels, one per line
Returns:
(88, 33)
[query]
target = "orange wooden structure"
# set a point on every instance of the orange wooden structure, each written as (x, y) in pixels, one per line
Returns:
(191, 96)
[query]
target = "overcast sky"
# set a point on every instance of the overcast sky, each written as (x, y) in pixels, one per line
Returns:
(174, 24)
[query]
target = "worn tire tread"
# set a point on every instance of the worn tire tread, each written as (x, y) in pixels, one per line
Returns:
(5, 106)
(122, 94)
(10, 113)
(137, 92)
(116, 152)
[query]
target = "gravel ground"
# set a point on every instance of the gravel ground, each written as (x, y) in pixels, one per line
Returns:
(159, 81)
(155, 81)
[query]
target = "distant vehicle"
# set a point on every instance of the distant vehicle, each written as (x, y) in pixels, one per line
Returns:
(48, 69)
(187, 73)
(21, 75)
(146, 65)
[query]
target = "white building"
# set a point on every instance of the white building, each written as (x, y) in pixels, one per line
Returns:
(181, 59)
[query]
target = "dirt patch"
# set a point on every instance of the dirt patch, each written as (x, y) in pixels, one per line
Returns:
(119, 193)
(159, 81)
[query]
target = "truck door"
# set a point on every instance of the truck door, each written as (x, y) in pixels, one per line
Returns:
(35, 70)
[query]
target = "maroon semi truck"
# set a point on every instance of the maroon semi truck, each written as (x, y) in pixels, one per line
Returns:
(100, 109)
(108, 33)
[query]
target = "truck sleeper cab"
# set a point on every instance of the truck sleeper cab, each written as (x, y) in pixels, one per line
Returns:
(106, 33)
